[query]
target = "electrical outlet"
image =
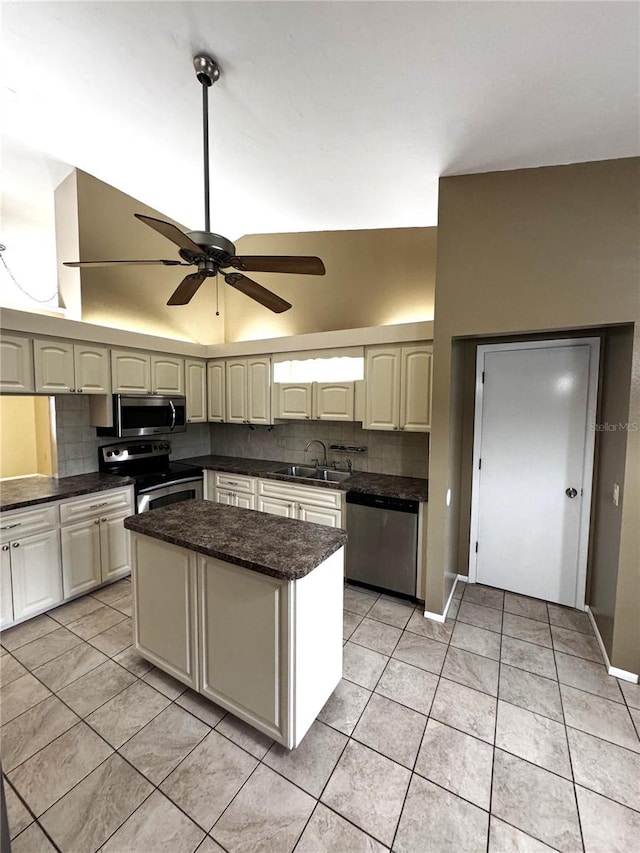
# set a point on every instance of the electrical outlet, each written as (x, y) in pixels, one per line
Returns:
(616, 494)
(281, 443)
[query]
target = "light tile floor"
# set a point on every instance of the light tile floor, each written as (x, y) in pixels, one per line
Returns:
(496, 731)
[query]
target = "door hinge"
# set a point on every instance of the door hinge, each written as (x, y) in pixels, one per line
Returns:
(476, 547)
(483, 377)
(480, 463)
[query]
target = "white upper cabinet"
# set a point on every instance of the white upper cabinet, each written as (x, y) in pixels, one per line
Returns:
(130, 372)
(248, 391)
(333, 401)
(215, 390)
(293, 400)
(167, 374)
(398, 388)
(415, 389)
(196, 384)
(140, 373)
(62, 367)
(382, 378)
(16, 365)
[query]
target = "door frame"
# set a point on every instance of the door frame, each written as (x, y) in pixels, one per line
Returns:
(589, 450)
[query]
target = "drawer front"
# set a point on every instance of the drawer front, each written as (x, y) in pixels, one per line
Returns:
(296, 492)
(15, 525)
(99, 503)
(236, 482)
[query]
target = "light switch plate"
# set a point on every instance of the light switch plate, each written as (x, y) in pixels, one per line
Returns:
(616, 494)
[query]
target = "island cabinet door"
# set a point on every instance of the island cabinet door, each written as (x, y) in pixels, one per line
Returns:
(244, 647)
(165, 616)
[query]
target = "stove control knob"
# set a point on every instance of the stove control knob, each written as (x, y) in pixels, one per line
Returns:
(116, 453)
(109, 452)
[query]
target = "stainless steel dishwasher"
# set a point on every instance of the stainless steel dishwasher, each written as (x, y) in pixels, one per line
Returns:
(382, 544)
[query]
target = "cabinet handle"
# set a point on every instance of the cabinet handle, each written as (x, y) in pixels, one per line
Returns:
(16, 544)
(5, 547)
(97, 521)
(103, 519)
(95, 506)
(11, 526)
(73, 390)
(395, 427)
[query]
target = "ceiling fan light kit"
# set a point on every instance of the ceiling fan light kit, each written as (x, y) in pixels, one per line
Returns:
(212, 253)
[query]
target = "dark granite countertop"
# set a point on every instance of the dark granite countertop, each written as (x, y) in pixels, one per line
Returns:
(280, 547)
(384, 485)
(29, 491)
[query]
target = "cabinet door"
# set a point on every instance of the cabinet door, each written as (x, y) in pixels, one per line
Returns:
(16, 365)
(243, 643)
(319, 515)
(333, 401)
(55, 373)
(167, 374)
(259, 390)
(293, 401)
(277, 506)
(222, 496)
(196, 383)
(6, 593)
(115, 547)
(245, 501)
(236, 392)
(130, 372)
(415, 391)
(35, 573)
(81, 557)
(382, 378)
(215, 390)
(164, 585)
(92, 369)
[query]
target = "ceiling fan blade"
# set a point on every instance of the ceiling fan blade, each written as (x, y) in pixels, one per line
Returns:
(164, 262)
(187, 289)
(171, 233)
(257, 291)
(279, 263)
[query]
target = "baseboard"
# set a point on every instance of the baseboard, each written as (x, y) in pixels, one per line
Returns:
(440, 617)
(612, 670)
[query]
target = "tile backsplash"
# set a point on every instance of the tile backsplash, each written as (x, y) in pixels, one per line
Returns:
(406, 454)
(403, 453)
(78, 443)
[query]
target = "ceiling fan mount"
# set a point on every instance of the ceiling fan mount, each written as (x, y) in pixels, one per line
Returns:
(212, 253)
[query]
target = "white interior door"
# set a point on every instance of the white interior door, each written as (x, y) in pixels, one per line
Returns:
(533, 450)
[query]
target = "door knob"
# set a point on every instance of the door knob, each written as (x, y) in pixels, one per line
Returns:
(571, 493)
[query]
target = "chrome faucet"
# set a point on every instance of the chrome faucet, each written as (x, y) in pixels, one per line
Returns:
(324, 450)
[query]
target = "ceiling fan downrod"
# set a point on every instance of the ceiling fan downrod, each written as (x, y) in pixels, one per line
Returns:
(207, 72)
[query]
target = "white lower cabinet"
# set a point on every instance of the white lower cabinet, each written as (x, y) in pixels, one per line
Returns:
(6, 592)
(95, 544)
(277, 506)
(268, 650)
(233, 490)
(165, 607)
(306, 503)
(35, 573)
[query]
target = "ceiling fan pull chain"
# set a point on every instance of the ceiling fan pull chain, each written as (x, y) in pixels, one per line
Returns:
(217, 298)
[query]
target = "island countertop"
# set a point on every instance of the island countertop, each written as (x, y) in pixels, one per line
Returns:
(30, 491)
(280, 547)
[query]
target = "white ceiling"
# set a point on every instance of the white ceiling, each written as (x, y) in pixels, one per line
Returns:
(328, 115)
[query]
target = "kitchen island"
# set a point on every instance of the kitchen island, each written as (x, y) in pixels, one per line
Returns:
(242, 606)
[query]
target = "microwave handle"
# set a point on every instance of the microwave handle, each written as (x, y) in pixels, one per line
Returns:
(173, 416)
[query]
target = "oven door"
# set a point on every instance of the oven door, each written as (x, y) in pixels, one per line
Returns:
(169, 493)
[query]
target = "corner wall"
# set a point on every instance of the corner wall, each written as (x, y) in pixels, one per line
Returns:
(536, 250)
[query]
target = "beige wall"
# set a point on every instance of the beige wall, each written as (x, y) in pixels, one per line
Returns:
(131, 298)
(534, 250)
(374, 278)
(18, 453)
(44, 444)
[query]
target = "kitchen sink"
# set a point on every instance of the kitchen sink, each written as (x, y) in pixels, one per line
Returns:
(298, 471)
(332, 476)
(325, 474)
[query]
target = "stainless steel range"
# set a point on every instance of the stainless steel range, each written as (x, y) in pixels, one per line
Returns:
(158, 481)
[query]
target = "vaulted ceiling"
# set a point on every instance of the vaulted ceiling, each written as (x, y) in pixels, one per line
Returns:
(328, 115)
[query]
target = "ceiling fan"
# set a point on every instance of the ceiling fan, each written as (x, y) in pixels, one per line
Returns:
(210, 252)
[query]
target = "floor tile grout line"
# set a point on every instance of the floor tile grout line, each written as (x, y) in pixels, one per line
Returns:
(495, 731)
(35, 820)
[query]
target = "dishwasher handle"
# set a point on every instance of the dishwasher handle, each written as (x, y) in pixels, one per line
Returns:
(383, 502)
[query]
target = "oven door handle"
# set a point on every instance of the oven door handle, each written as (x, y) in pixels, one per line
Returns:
(170, 483)
(173, 416)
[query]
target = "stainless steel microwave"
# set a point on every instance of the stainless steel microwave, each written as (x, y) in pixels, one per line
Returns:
(146, 414)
